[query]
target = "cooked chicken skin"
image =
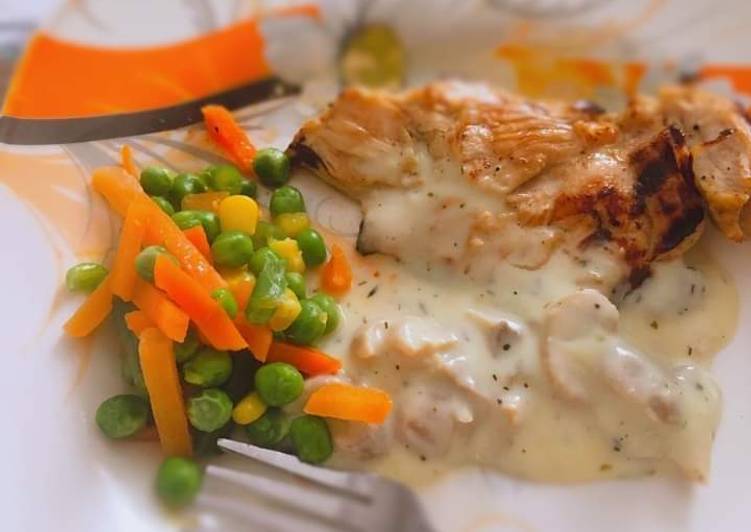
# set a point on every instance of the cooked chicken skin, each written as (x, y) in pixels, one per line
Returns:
(638, 182)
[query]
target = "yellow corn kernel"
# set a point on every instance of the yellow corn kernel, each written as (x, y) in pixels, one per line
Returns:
(232, 273)
(292, 222)
(238, 213)
(250, 408)
(289, 251)
(286, 311)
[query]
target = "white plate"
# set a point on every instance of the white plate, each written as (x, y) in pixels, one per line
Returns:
(61, 474)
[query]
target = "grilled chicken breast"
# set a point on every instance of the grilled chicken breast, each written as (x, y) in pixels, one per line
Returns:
(483, 170)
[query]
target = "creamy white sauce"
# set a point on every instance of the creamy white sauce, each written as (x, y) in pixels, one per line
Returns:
(473, 331)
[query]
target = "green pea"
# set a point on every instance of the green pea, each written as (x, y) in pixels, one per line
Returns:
(122, 416)
(190, 218)
(208, 368)
(312, 247)
(269, 429)
(232, 249)
(178, 481)
(184, 351)
(309, 325)
(311, 438)
(164, 204)
(205, 174)
(264, 232)
(209, 410)
(227, 301)
(278, 383)
(249, 188)
(210, 222)
(331, 308)
(146, 259)
(272, 167)
(225, 177)
(157, 180)
(296, 283)
(260, 257)
(183, 185)
(286, 199)
(186, 219)
(85, 277)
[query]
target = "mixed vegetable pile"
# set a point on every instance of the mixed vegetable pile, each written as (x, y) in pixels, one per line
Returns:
(217, 325)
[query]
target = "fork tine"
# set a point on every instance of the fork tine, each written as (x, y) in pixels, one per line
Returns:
(359, 486)
(254, 517)
(321, 504)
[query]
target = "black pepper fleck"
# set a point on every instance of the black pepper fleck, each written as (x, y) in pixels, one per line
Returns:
(506, 347)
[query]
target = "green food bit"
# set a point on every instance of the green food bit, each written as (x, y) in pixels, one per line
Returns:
(186, 219)
(185, 350)
(244, 366)
(183, 185)
(210, 410)
(374, 57)
(85, 277)
(164, 204)
(190, 218)
(225, 177)
(311, 438)
(264, 232)
(312, 247)
(157, 180)
(210, 222)
(227, 301)
(331, 308)
(178, 481)
(249, 188)
(272, 167)
(208, 368)
(146, 259)
(269, 429)
(122, 416)
(286, 199)
(268, 290)
(232, 249)
(309, 325)
(278, 383)
(130, 364)
(296, 283)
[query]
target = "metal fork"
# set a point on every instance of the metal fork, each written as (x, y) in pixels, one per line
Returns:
(310, 497)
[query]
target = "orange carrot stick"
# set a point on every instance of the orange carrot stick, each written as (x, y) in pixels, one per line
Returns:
(197, 237)
(191, 259)
(117, 186)
(189, 295)
(92, 312)
(350, 403)
(205, 201)
(308, 360)
(336, 274)
(165, 394)
(137, 321)
(230, 137)
(120, 189)
(131, 238)
(172, 321)
(258, 337)
(126, 161)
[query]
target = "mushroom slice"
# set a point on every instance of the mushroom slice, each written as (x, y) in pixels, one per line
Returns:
(580, 330)
(638, 379)
(420, 337)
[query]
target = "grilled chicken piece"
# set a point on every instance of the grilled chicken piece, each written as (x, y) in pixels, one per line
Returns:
(719, 137)
(471, 163)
